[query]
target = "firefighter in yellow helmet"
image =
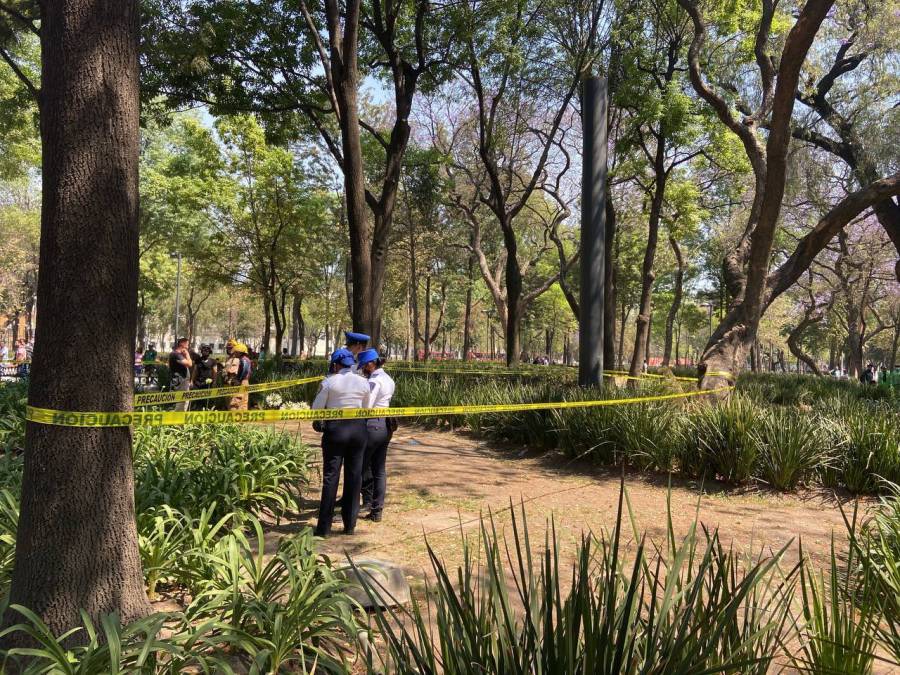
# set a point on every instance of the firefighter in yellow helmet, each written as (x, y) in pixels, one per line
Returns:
(237, 372)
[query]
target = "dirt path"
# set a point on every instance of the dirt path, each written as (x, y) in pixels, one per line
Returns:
(439, 483)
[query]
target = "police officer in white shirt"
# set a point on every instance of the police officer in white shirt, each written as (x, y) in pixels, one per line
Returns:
(343, 442)
(380, 430)
(356, 342)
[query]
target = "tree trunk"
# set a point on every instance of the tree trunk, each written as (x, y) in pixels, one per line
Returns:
(625, 312)
(410, 337)
(427, 337)
(76, 544)
(467, 321)
(514, 310)
(642, 332)
(610, 273)
(895, 342)
(267, 326)
(676, 301)
(747, 266)
(298, 328)
(280, 316)
(343, 43)
(796, 335)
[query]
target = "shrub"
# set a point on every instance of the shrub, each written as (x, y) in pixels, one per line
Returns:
(719, 440)
(876, 550)
(240, 469)
(139, 647)
(12, 416)
(837, 635)
(694, 608)
(870, 440)
(790, 448)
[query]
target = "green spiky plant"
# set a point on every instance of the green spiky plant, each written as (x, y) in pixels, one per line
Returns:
(693, 607)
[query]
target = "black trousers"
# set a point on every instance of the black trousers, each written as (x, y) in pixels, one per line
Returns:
(343, 442)
(374, 474)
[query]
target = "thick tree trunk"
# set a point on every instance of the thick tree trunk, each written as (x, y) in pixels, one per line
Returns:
(748, 265)
(76, 544)
(344, 35)
(676, 301)
(854, 341)
(514, 310)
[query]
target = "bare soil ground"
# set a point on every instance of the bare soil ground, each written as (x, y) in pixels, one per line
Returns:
(440, 483)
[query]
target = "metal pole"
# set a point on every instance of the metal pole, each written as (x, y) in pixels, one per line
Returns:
(177, 293)
(593, 232)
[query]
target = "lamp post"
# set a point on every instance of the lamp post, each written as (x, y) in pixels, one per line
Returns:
(177, 256)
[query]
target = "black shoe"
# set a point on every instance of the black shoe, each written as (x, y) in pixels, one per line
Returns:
(320, 533)
(352, 530)
(374, 516)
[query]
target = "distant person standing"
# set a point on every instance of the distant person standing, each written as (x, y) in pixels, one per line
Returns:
(180, 364)
(4, 352)
(868, 376)
(138, 363)
(21, 356)
(205, 368)
(343, 441)
(149, 362)
(379, 432)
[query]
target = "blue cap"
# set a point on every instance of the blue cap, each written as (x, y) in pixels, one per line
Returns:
(356, 337)
(342, 356)
(367, 356)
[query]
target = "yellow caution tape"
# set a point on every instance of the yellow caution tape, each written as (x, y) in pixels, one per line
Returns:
(160, 397)
(623, 373)
(157, 419)
(458, 371)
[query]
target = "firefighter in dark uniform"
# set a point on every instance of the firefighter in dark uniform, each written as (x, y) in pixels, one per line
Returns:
(343, 442)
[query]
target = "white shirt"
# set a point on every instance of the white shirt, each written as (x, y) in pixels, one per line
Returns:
(382, 389)
(342, 390)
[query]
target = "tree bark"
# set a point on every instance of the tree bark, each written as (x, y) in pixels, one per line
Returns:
(676, 301)
(895, 342)
(298, 328)
(267, 330)
(467, 321)
(625, 312)
(795, 337)
(609, 286)
(76, 544)
(426, 338)
(642, 329)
